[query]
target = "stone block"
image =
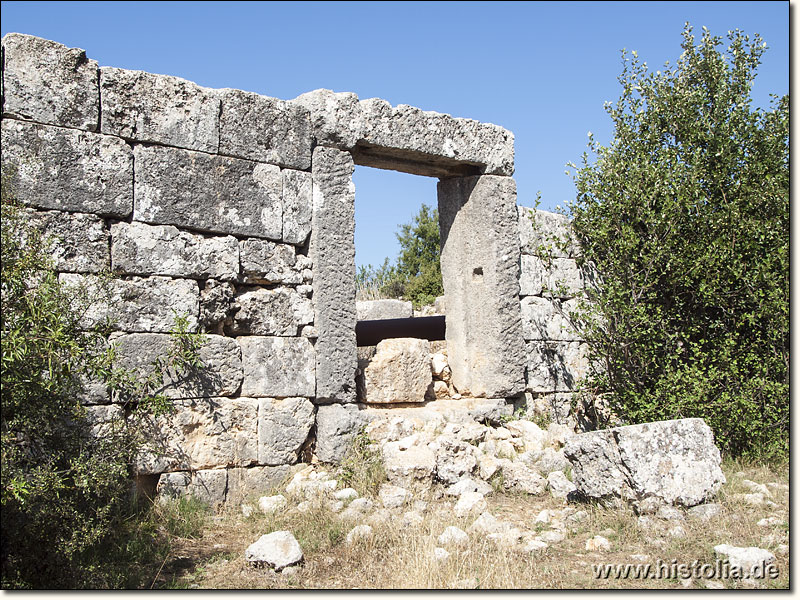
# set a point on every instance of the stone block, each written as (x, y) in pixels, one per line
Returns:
(47, 82)
(297, 191)
(245, 483)
(274, 312)
(557, 278)
(141, 249)
(556, 366)
(337, 426)
(202, 434)
(548, 319)
(208, 193)
(283, 428)
(368, 310)
(675, 461)
(335, 117)
(480, 273)
(67, 169)
(209, 486)
(159, 108)
(266, 262)
(79, 242)
(399, 372)
(333, 252)
(408, 139)
(216, 306)
(264, 129)
(137, 304)
(220, 374)
(105, 419)
(543, 233)
(277, 367)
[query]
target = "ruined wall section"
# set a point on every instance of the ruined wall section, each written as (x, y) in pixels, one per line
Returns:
(551, 286)
(200, 202)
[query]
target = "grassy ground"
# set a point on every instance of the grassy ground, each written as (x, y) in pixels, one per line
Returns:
(399, 556)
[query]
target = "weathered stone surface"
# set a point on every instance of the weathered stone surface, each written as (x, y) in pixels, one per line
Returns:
(264, 129)
(216, 305)
(705, 512)
(455, 458)
(207, 192)
(277, 367)
(201, 434)
(453, 536)
(548, 319)
(220, 374)
(69, 170)
(244, 483)
(410, 467)
(297, 202)
(367, 310)
(675, 461)
(470, 503)
(480, 272)
(559, 485)
(272, 504)
(520, 478)
(335, 117)
(546, 233)
(138, 304)
(556, 366)
(399, 372)
(141, 249)
(277, 550)
(159, 108)
(263, 261)
(337, 426)
(173, 485)
(209, 485)
(392, 136)
(279, 312)
(333, 252)
(751, 562)
(393, 496)
(283, 428)
(79, 242)
(104, 419)
(562, 279)
(47, 82)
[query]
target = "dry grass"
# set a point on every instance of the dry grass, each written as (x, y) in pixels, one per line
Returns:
(399, 556)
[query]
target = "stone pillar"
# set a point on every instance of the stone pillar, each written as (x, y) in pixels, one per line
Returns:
(480, 272)
(334, 255)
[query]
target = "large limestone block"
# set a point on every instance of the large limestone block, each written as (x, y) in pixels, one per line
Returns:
(368, 310)
(245, 483)
(279, 312)
(402, 134)
(546, 233)
(409, 467)
(208, 193)
(556, 366)
(333, 252)
(209, 485)
(220, 374)
(277, 367)
(202, 434)
(399, 372)
(675, 461)
(159, 108)
(557, 278)
(548, 319)
(297, 202)
(266, 262)
(78, 241)
(264, 129)
(137, 304)
(480, 273)
(283, 428)
(335, 117)
(67, 169)
(47, 82)
(141, 249)
(337, 426)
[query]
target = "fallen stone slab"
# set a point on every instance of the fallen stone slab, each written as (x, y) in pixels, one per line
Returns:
(752, 562)
(276, 550)
(675, 461)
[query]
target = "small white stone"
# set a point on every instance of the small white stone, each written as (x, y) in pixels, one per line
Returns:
(247, 509)
(469, 503)
(346, 494)
(532, 546)
(598, 544)
(769, 522)
(453, 536)
(271, 504)
(359, 532)
(440, 554)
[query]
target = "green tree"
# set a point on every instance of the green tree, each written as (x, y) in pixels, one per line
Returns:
(65, 492)
(684, 220)
(418, 263)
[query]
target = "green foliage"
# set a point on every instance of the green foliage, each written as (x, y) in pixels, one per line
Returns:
(417, 275)
(66, 506)
(362, 468)
(684, 222)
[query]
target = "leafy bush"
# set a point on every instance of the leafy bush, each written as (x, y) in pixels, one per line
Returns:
(66, 501)
(685, 220)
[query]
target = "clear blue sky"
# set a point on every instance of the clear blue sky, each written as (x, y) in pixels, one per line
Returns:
(540, 69)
